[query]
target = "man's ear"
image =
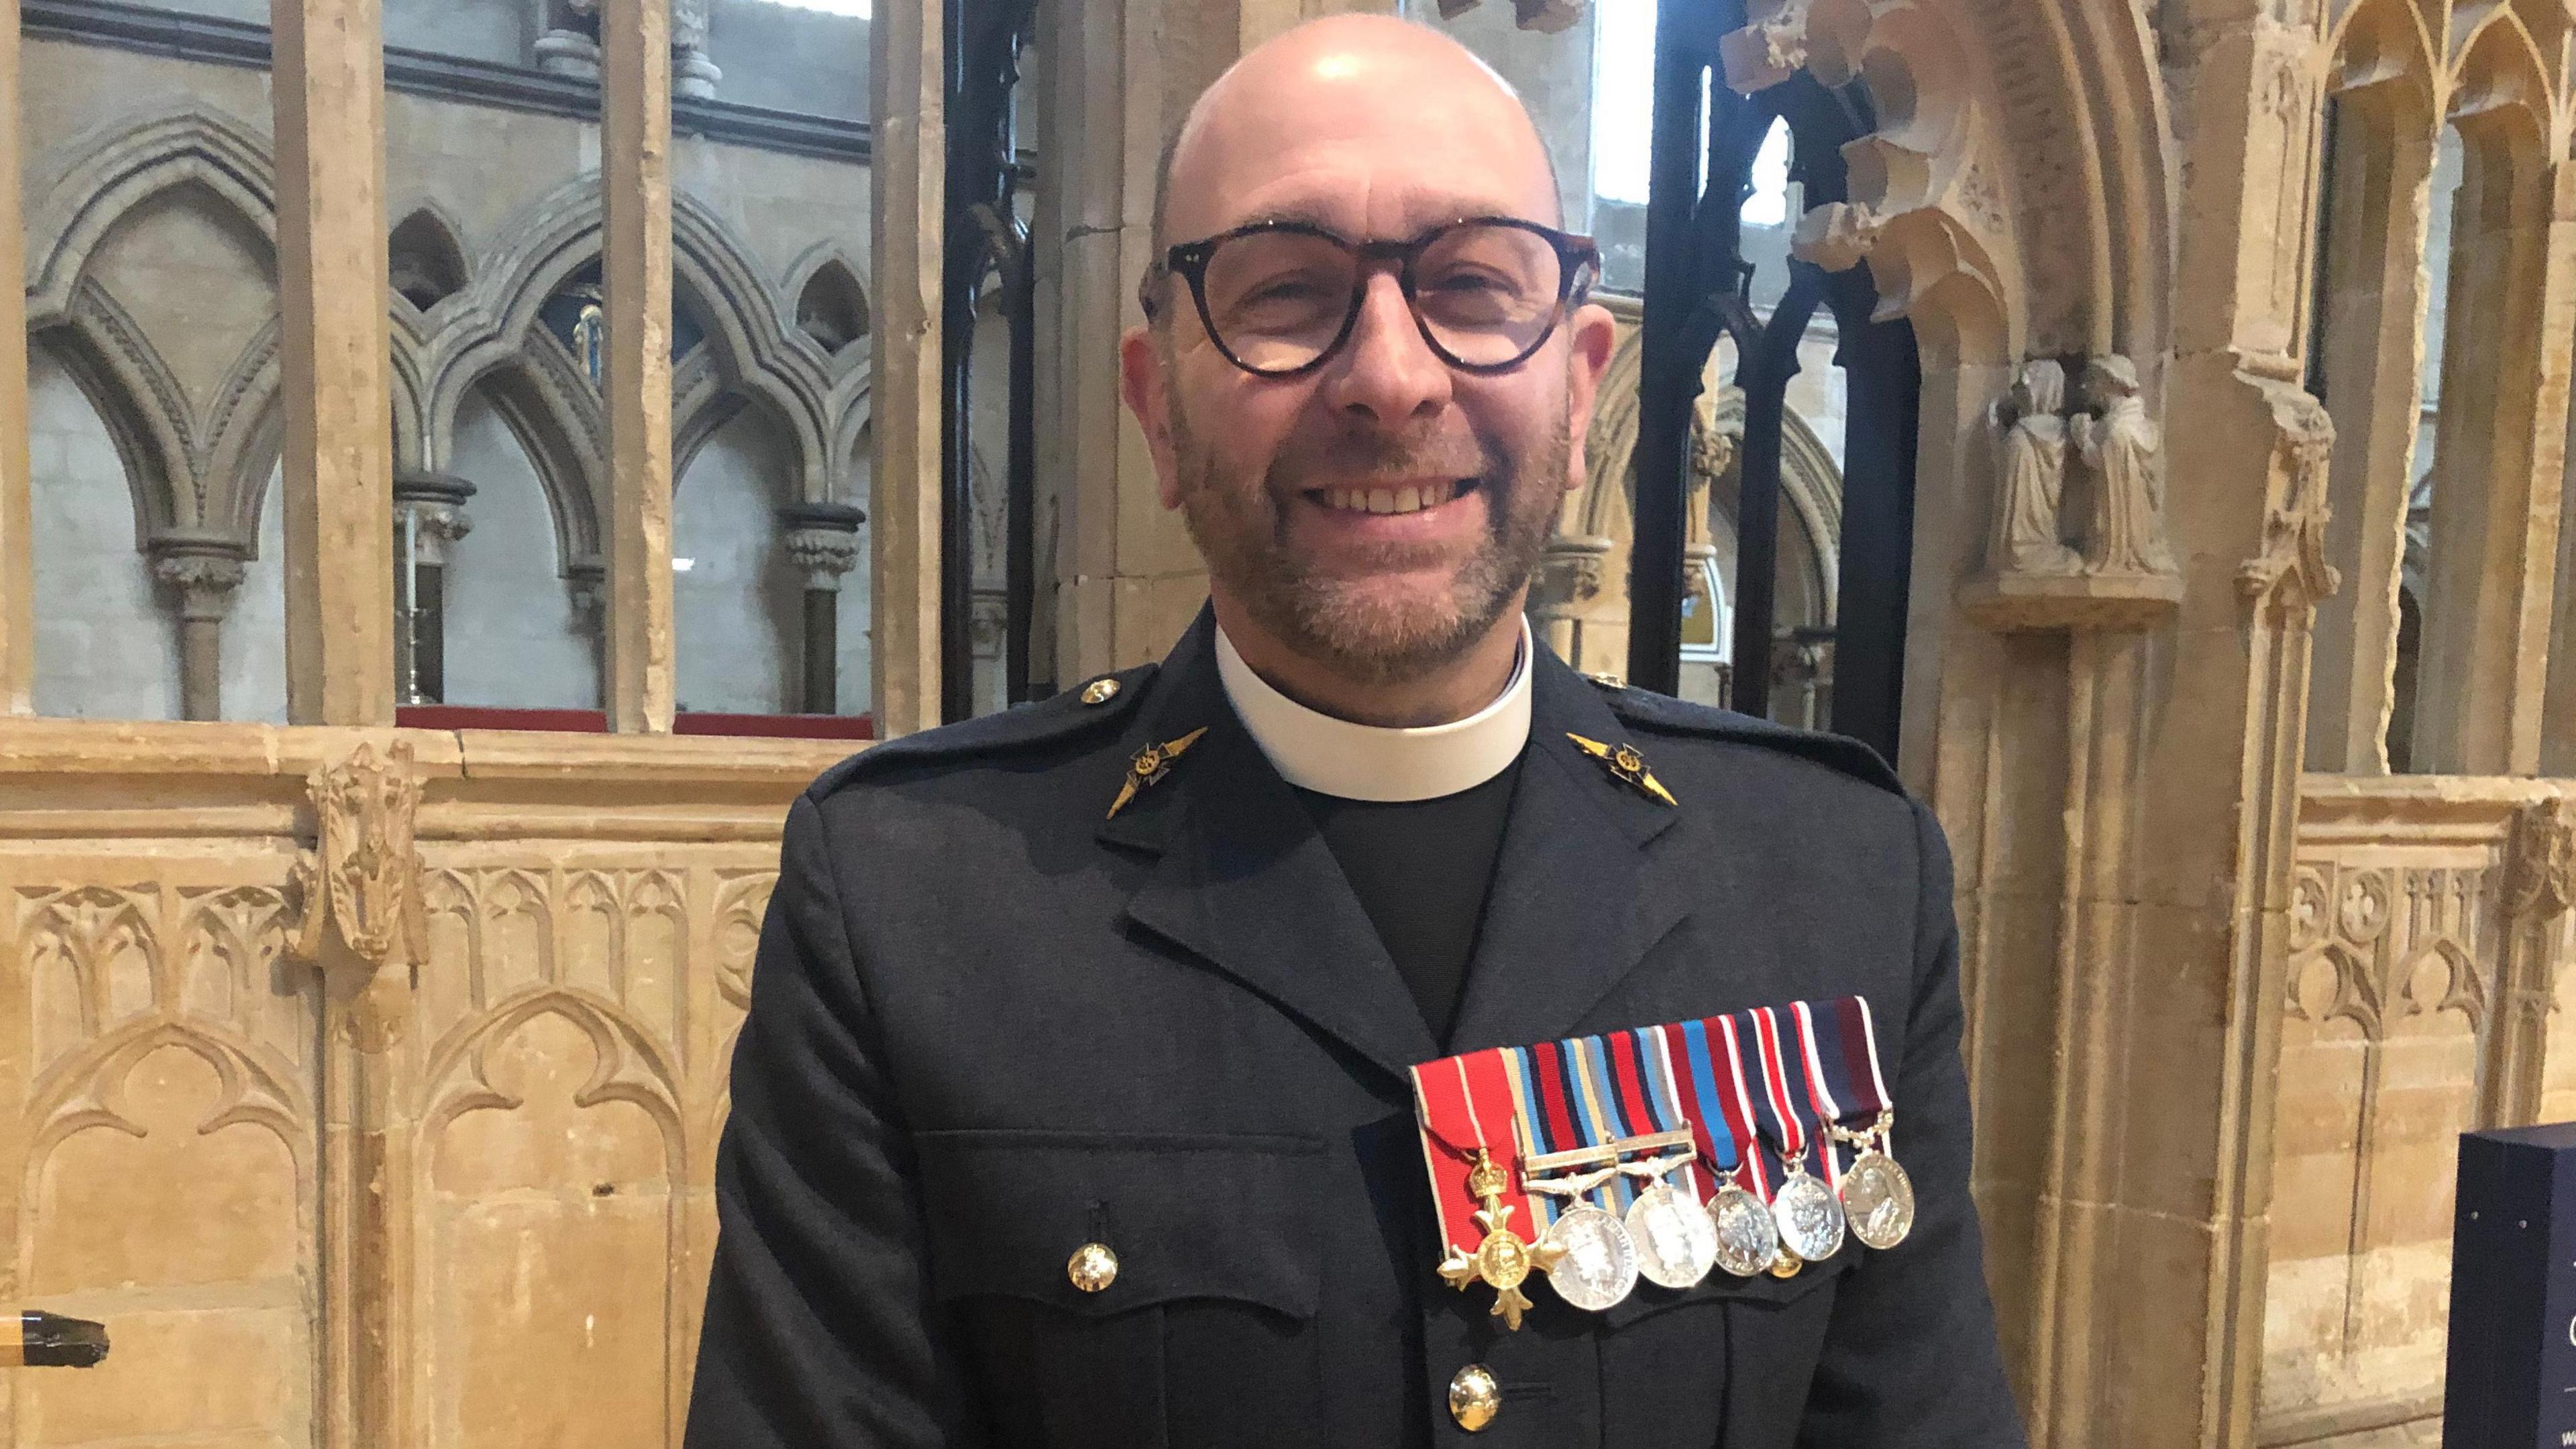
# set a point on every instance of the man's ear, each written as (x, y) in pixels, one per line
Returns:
(1145, 382)
(1594, 335)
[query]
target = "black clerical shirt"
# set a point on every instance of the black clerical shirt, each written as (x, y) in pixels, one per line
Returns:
(1422, 870)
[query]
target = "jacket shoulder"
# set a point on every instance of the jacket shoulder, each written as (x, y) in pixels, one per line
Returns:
(1676, 718)
(1097, 706)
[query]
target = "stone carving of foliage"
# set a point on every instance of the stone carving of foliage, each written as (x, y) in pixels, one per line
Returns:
(741, 902)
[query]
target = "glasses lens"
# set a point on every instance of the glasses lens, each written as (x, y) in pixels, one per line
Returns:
(1277, 299)
(1488, 294)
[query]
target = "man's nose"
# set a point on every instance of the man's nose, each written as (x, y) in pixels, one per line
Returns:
(1387, 371)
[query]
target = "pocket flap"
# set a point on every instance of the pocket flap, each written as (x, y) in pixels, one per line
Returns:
(1195, 1216)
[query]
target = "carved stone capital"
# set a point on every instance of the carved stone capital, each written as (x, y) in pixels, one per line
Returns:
(204, 569)
(1837, 236)
(568, 53)
(1571, 572)
(2291, 570)
(361, 917)
(2540, 861)
(436, 503)
(588, 581)
(823, 539)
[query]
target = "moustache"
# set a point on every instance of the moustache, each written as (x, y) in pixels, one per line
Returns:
(1356, 461)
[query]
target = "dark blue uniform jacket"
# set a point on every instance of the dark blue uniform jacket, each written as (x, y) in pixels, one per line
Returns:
(989, 1025)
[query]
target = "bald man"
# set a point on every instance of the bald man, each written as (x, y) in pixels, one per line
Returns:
(1259, 1048)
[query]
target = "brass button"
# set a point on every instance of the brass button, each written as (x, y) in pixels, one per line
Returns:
(1474, 1397)
(1785, 1264)
(1100, 691)
(1092, 1267)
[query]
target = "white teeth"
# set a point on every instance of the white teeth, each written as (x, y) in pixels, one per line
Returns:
(1411, 499)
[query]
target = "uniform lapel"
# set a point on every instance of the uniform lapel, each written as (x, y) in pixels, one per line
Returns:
(1246, 882)
(1577, 900)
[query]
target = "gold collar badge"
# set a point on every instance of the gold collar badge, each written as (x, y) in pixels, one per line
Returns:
(1149, 767)
(1629, 767)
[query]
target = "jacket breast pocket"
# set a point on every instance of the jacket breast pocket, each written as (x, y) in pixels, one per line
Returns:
(1659, 1348)
(1204, 1334)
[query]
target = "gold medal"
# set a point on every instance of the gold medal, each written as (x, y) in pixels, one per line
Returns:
(1504, 1259)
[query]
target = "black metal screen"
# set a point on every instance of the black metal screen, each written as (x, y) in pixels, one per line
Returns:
(1699, 288)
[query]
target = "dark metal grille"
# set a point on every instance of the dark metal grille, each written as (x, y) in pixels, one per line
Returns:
(1699, 288)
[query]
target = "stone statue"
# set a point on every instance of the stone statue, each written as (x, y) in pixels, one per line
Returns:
(2026, 537)
(2120, 445)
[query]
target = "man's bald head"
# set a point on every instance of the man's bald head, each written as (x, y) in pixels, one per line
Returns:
(1400, 71)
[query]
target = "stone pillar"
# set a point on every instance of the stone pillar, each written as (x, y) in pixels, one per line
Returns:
(2539, 885)
(635, 184)
(203, 570)
(17, 514)
(337, 460)
(823, 539)
(2498, 463)
(429, 518)
(586, 580)
(908, 111)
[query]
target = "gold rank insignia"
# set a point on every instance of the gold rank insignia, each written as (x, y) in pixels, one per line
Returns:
(1624, 762)
(1149, 767)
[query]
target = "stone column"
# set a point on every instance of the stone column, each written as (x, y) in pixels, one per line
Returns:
(908, 111)
(823, 539)
(635, 182)
(430, 515)
(329, 89)
(204, 570)
(2539, 885)
(17, 515)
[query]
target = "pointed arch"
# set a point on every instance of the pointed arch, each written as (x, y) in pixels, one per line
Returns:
(122, 166)
(426, 262)
(831, 304)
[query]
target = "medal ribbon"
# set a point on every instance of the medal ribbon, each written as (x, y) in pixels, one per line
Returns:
(1676, 1108)
(1840, 1045)
(1465, 1103)
(1784, 1082)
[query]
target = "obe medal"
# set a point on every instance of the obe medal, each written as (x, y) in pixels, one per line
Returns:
(1596, 1262)
(1878, 1194)
(1746, 1237)
(1502, 1261)
(1810, 1219)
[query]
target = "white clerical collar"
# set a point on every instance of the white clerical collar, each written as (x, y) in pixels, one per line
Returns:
(1315, 751)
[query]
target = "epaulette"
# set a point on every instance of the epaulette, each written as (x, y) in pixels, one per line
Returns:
(1100, 701)
(1681, 717)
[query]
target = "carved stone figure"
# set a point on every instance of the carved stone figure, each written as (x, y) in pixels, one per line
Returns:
(2122, 447)
(2026, 538)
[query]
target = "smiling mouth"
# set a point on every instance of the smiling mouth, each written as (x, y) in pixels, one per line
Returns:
(1403, 498)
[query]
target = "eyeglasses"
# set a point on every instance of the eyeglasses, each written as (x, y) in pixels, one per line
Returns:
(1280, 297)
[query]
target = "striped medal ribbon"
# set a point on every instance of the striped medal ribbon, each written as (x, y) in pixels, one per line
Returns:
(1809, 1215)
(1840, 1041)
(1464, 1105)
(1576, 1140)
(1675, 1240)
(1708, 1073)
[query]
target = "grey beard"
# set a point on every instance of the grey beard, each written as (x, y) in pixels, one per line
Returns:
(1242, 536)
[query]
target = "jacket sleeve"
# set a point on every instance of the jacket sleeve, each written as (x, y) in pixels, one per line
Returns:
(1911, 1360)
(818, 1331)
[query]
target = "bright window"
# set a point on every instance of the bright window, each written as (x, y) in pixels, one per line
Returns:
(860, 8)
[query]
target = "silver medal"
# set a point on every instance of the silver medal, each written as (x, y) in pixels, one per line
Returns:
(1676, 1242)
(1878, 1197)
(1599, 1263)
(1811, 1221)
(1747, 1238)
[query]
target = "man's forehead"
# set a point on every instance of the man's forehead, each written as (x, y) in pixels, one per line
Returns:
(1392, 132)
